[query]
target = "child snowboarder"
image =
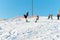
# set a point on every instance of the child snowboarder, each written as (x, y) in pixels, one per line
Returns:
(50, 16)
(37, 19)
(25, 16)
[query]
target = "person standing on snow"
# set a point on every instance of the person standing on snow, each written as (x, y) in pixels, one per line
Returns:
(25, 16)
(58, 16)
(50, 16)
(37, 18)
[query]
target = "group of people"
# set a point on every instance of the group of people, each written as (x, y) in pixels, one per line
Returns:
(50, 16)
(26, 15)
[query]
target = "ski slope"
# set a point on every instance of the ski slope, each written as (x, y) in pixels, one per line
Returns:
(18, 29)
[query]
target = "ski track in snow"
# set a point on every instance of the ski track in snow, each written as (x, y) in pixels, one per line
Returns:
(18, 29)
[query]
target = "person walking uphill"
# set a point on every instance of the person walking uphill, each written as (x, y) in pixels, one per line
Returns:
(50, 16)
(58, 15)
(25, 16)
(37, 19)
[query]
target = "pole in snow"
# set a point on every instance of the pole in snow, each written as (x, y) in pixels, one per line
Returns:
(32, 8)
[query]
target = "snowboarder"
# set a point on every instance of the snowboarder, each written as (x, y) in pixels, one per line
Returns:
(50, 16)
(37, 18)
(25, 16)
(58, 16)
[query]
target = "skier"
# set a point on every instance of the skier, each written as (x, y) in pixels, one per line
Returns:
(50, 16)
(37, 19)
(58, 16)
(25, 16)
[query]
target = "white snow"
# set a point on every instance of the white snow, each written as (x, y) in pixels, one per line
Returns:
(18, 29)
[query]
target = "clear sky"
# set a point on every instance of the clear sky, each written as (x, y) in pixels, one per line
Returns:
(13, 8)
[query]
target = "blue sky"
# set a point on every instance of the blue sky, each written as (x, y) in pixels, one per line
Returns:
(13, 8)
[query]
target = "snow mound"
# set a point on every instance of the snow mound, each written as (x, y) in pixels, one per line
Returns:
(18, 29)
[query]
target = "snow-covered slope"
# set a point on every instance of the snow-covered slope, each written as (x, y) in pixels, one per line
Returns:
(18, 29)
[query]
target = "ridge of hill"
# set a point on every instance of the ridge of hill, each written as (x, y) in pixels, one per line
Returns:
(18, 29)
